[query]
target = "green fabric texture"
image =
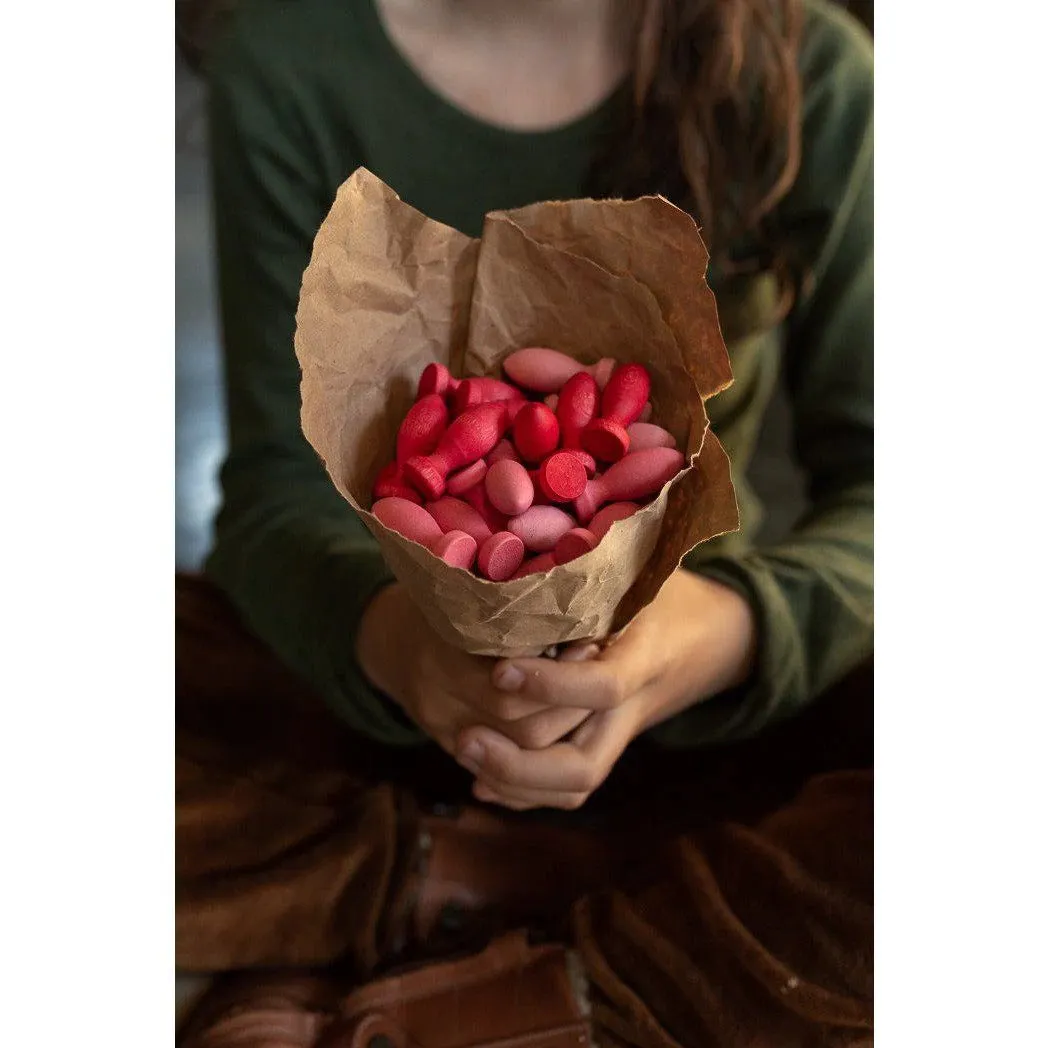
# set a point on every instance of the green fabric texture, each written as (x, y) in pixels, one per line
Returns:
(303, 93)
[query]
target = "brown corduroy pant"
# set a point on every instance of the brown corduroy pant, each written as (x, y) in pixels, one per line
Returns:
(739, 910)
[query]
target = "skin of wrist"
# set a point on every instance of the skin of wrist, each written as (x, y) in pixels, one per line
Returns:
(713, 650)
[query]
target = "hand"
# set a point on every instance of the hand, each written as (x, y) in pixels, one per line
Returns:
(694, 640)
(445, 690)
(560, 776)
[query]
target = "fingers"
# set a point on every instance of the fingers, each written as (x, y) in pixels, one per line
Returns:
(585, 676)
(496, 759)
(468, 679)
(497, 708)
(598, 743)
(545, 725)
(544, 728)
(501, 705)
(525, 800)
(593, 684)
(580, 651)
(578, 765)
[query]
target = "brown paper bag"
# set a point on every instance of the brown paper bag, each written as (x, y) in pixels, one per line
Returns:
(389, 291)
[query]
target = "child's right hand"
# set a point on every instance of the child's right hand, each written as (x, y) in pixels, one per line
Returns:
(445, 690)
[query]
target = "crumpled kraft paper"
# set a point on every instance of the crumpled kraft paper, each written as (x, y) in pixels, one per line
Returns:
(388, 291)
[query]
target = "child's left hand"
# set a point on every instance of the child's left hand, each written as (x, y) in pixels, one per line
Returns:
(696, 639)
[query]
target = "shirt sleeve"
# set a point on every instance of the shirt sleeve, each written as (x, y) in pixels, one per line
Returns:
(289, 551)
(813, 593)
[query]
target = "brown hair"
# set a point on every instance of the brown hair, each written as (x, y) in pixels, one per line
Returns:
(715, 122)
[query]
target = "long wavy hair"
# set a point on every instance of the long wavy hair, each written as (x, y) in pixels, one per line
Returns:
(715, 123)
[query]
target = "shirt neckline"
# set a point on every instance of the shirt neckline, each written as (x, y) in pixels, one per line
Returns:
(437, 106)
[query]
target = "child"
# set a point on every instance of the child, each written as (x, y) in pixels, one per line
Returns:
(755, 116)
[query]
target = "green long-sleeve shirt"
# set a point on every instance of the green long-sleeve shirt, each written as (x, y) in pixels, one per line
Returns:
(303, 93)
